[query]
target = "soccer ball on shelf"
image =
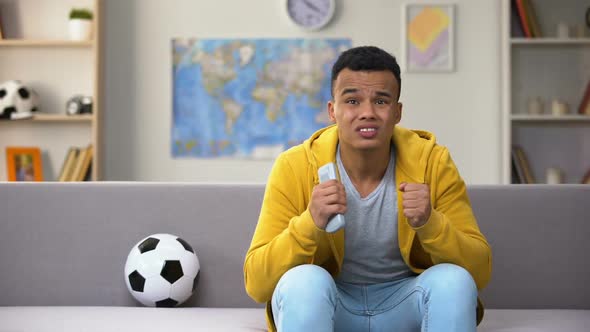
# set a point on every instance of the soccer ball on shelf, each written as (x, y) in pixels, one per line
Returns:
(162, 270)
(17, 101)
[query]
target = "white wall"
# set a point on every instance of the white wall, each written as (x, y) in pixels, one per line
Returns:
(462, 108)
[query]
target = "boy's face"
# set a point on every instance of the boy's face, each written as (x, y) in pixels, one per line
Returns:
(365, 108)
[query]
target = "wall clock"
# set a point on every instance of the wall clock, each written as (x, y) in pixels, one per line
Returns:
(311, 14)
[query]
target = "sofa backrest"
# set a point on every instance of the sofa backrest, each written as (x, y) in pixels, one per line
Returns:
(539, 236)
(66, 243)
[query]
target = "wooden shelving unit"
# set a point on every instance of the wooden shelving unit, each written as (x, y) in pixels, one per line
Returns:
(546, 68)
(57, 68)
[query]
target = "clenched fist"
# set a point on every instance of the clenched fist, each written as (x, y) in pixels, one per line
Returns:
(416, 203)
(327, 199)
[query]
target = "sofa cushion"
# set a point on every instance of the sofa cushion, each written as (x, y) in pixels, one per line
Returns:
(104, 319)
(507, 320)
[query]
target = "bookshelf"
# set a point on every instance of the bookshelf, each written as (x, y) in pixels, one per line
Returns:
(546, 67)
(37, 51)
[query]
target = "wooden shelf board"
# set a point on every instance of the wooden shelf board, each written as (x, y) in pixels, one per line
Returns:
(44, 43)
(549, 118)
(62, 118)
(52, 118)
(550, 41)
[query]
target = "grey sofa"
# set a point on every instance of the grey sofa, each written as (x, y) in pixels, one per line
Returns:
(63, 248)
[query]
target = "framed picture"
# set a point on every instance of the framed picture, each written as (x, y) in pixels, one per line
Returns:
(24, 164)
(586, 178)
(428, 37)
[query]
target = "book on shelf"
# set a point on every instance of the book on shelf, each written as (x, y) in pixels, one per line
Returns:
(85, 175)
(77, 164)
(516, 28)
(584, 107)
(516, 174)
(88, 176)
(519, 5)
(521, 165)
(1, 35)
(532, 19)
(68, 165)
(82, 164)
(528, 18)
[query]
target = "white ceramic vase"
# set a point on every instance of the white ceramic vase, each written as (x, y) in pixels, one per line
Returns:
(80, 29)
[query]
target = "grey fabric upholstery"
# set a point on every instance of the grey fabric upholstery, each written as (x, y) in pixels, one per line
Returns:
(539, 239)
(65, 244)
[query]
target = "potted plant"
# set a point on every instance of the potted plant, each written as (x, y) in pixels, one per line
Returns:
(80, 25)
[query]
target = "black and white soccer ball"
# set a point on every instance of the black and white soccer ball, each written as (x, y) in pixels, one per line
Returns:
(162, 270)
(17, 101)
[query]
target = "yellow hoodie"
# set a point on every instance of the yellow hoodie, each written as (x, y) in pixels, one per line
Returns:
(286, 235)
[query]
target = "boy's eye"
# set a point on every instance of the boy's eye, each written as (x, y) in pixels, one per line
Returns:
(351, 101)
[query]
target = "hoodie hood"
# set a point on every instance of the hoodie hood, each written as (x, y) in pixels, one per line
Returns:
(412, 150)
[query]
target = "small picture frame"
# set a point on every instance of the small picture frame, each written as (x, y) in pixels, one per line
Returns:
(24, 164)
(428, 31)
(586, 178)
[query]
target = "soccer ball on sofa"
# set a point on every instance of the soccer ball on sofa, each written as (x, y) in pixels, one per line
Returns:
(162, 270)
(17, 101)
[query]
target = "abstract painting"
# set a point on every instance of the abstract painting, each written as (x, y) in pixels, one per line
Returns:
(427, 35)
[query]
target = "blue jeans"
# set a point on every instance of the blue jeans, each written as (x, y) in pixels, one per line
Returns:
(442, 298)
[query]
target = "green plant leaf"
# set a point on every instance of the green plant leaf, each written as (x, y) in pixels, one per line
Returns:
(81, 13)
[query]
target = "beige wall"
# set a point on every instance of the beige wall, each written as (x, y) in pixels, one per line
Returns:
(462, 108)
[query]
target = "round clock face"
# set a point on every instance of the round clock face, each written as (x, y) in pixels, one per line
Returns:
(311, 14)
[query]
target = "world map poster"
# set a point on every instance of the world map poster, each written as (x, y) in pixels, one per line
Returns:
(249, 98)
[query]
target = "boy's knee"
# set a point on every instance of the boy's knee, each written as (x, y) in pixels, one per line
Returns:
(305, 278)
(450, 277)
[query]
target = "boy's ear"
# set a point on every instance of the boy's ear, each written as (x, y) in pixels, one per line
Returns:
(398, 112)
(331, 111)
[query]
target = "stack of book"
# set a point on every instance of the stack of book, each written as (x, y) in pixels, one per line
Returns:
(77, 165)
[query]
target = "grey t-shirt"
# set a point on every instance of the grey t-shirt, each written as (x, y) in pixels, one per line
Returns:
(371, 249)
